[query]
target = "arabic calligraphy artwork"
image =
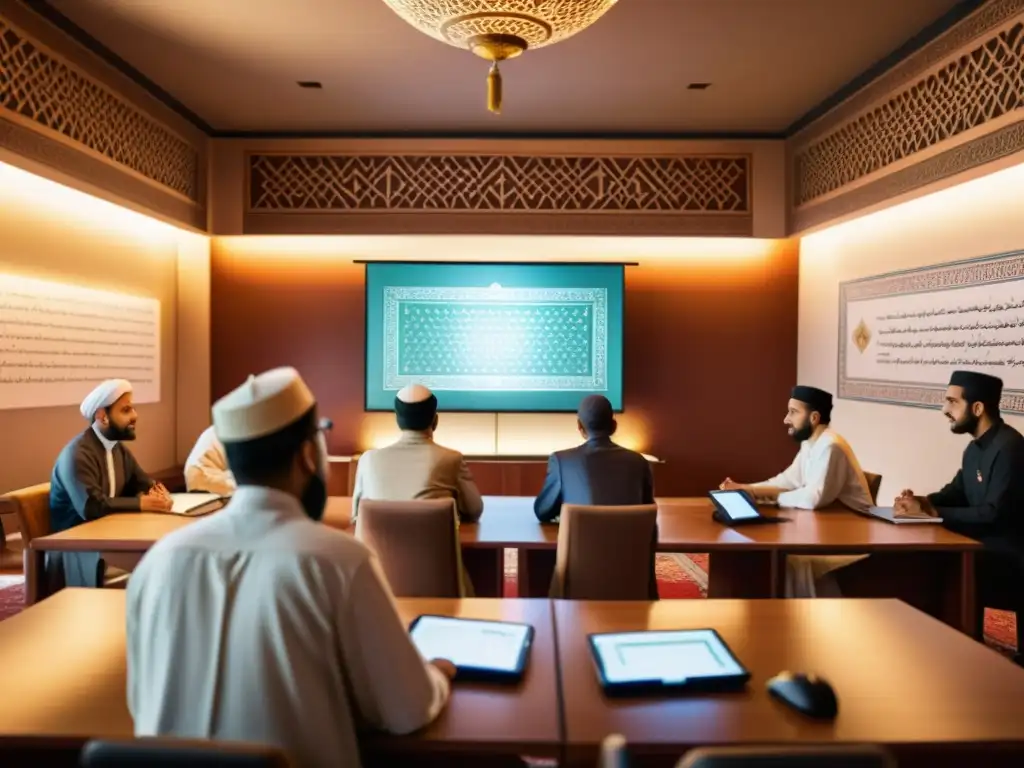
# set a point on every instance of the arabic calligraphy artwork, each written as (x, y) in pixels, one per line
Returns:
(58, 341)
(481, 339)
(902, 334)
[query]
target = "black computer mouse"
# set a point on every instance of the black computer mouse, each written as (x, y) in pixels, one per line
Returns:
(808, 694)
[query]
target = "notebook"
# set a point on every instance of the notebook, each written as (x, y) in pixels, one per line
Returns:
(196, 503)
(889, 515)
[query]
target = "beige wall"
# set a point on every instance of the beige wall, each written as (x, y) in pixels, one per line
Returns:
(55, 233)
(911, 447)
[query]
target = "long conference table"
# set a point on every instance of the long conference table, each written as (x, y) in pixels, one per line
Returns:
(746, 562)
(903, 680)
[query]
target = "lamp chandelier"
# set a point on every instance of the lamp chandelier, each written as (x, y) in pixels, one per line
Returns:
(496, 30)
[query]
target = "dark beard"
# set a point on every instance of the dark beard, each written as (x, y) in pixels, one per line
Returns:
(966, 426)
(118, 434)
(314, 498)
(804, 433)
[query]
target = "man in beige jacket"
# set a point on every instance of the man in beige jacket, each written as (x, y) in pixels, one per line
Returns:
(415, 467)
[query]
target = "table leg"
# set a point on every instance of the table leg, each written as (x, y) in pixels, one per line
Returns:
(745, 575)
(486, 569)
(960, 608)
(34, 561)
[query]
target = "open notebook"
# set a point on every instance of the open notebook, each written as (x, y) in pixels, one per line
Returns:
(196, 503)
(889, 515)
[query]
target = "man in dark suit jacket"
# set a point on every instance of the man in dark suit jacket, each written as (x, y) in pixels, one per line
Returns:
(599, 472)
(94, 476)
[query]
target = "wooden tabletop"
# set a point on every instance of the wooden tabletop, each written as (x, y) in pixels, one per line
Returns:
(64, 668)
(684, 525)
(521, 719)
(901, 677)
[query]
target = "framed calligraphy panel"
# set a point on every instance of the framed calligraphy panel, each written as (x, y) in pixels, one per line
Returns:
(901, 334)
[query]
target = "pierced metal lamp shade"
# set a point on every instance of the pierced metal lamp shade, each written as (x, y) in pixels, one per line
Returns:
(496, 30)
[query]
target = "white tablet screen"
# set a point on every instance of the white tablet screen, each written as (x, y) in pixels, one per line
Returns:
(470, 643)
(669, 657)
(736, 505)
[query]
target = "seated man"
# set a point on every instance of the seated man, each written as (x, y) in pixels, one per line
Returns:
(259, 624)
(599, 472)
(824, 472)
(415, 467)
(985, 499)
(95, 475)
(206, 468)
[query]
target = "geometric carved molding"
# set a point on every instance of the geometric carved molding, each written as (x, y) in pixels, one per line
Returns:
(40, 89)
(985, 149)
(971, 89)
(568, 192)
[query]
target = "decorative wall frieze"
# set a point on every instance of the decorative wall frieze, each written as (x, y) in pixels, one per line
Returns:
(465, 192)
(85, 128)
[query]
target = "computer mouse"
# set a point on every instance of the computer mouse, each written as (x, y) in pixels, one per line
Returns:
(808, 694)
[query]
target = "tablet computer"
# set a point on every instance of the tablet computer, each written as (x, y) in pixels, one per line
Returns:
(480, 650)
(665, 661)
(738, 508)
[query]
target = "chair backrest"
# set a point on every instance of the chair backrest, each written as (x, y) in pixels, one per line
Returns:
(32, 510)
(417, 543)
(168, 753)
(859, 756)
(606, 553)
(874, 485)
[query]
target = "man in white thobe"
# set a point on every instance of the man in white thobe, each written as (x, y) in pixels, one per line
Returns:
(206, 468)
(824, 472)
(258, 624)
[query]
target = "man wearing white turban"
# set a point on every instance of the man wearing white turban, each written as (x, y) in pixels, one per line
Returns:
(95, 475)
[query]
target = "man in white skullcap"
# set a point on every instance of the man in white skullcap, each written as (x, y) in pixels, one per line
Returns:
(415, 467)
(206, 468)
(96, 475)
(259, 624)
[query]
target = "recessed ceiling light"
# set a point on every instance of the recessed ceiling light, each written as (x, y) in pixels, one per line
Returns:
(310, 84)
(698, 86)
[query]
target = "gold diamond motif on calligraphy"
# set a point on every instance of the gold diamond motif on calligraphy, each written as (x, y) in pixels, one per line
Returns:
(861, 336)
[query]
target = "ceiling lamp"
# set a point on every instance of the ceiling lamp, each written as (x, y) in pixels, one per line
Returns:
(496, 30)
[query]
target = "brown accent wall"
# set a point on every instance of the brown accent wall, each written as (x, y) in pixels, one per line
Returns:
(711, 344)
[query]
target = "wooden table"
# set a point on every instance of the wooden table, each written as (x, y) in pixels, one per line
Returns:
(488, 719)
(65, 678)
(902, 679)
(747, 562)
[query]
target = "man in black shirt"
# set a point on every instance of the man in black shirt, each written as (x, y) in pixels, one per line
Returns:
(985, 500)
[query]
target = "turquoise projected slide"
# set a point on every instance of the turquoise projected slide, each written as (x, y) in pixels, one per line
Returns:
(494, 337)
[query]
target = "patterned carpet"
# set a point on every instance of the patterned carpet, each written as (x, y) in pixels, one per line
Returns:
(680, 577)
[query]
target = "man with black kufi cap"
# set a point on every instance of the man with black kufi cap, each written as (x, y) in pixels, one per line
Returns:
(96, 475)
(824, 472)
(416, 467)
(257, 623)
(985, 500)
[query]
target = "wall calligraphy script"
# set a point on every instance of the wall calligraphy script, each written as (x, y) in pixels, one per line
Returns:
(58, 341)
(902, 334)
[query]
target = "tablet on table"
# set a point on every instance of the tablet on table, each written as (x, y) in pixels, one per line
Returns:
(665, 661)
(480, 650)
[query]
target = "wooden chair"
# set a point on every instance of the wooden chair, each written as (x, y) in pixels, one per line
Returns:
(179, 753)
(874, 485)
(31, 508)
(417, 543)
(606, 553)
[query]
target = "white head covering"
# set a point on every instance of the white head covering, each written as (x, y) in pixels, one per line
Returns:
(263, 405)
(414, 393)
(106, 394)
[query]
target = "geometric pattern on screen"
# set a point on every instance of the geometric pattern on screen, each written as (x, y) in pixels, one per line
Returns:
(487, 339)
